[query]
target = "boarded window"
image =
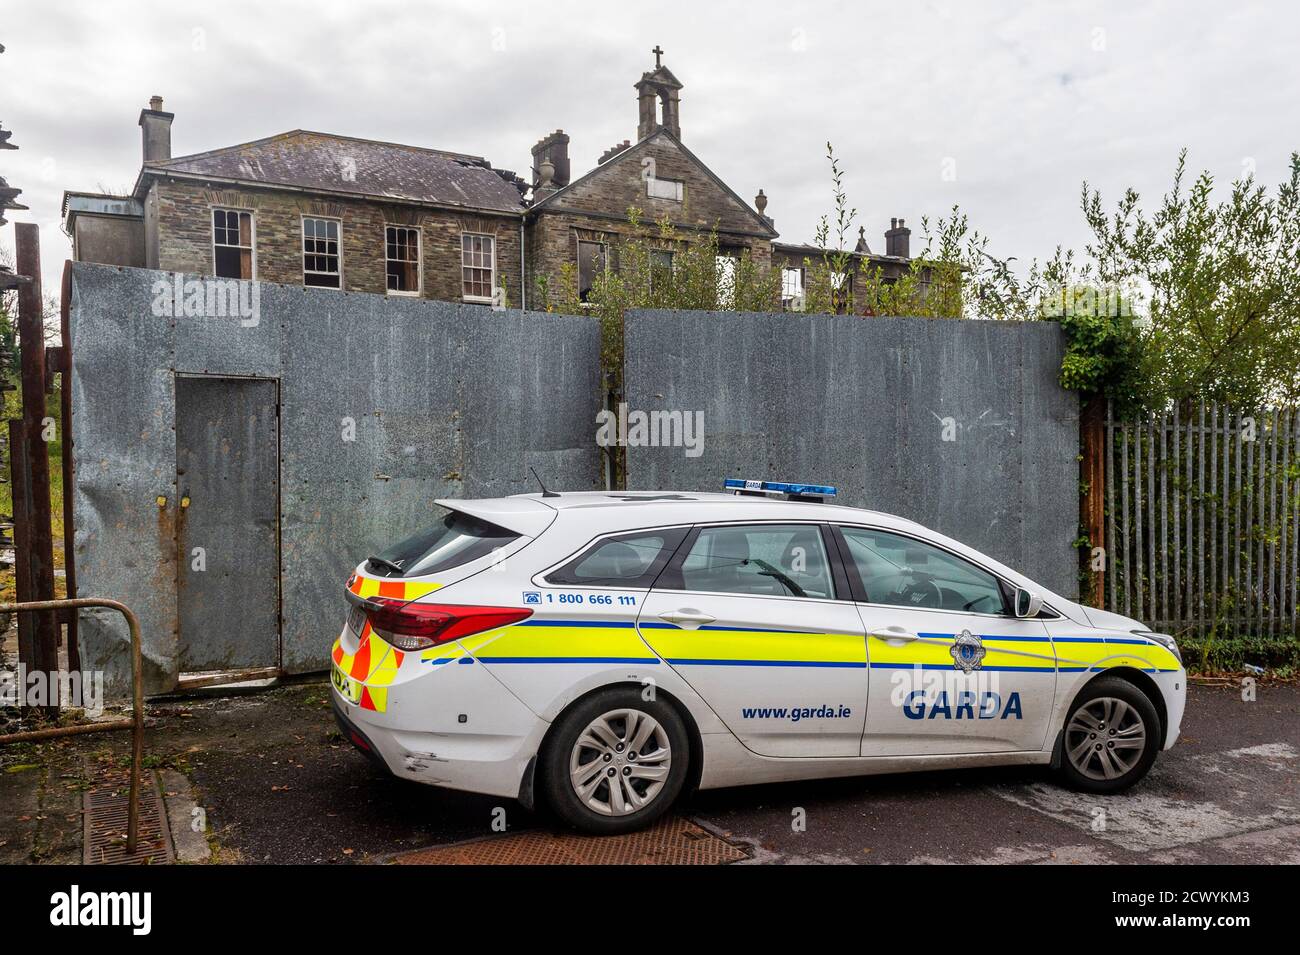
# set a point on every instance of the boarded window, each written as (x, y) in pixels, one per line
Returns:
(320, 253)
(232, 243)
(402, 256)
(591, 263)
(665, 189)
(478, 266)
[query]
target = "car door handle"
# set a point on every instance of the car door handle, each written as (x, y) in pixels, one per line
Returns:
(894, 633)
(687, 615)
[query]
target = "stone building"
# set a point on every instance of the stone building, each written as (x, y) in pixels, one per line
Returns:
(337, 212)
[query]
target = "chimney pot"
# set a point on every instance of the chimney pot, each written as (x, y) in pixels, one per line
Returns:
(155, 103)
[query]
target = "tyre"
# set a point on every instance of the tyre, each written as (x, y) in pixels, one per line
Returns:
(615, 762)
(1112, 735)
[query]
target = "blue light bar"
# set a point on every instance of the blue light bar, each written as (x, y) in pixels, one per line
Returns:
(737, 486)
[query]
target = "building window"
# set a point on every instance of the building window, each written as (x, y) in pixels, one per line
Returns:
(232, 244)
(792, 290)
(321, 264)
(665, 189)
(477, 266)
(592, 261)
(726, 274)
(842, 292)
(402, 259)
(661, 268)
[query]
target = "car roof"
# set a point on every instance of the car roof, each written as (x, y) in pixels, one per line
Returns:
(619, 510)
(590, 514)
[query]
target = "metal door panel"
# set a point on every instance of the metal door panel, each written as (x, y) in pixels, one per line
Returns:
(227, 527)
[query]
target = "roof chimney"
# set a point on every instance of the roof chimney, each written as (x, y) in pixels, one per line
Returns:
(156, 130)
(555, 150)
(898, 239)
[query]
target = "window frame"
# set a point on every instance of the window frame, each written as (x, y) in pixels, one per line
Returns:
(787, 303)
(643, 583)
(671, 577)
(604, 258)
(418, 291)
(302, 250)
(252, 238)
(859, 591)
(670, 270)
(727, 301)
(842, 292)
(492, 280)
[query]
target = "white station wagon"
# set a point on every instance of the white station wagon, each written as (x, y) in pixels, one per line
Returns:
(604, 652)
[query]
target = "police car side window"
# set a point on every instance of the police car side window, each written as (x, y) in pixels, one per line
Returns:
(628, 560)
(908, 573)
(775, 560)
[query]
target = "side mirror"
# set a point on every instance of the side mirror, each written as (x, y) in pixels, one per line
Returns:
(1028, 603)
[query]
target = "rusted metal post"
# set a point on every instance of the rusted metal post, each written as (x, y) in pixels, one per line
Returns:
(137, 699)
(65, 425)
(1092, 505)
(39, 586)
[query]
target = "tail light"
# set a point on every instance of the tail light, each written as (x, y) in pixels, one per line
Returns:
(418, 626)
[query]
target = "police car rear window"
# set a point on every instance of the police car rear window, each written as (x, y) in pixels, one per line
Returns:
(454, 540)
(628, 560)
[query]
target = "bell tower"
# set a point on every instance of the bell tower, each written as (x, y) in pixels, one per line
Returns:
(658, 102)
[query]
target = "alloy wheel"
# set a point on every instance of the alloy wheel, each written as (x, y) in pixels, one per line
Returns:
(1105, 738)
(620, 762)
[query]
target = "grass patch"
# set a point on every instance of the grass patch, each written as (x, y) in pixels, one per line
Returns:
(1219, 654)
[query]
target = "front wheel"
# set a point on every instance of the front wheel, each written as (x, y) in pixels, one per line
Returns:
(615, 762)
(1112, 735)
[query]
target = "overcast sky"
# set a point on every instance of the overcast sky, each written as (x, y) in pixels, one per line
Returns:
(1004, 108)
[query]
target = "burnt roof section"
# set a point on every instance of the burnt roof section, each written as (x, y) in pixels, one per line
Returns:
(815, 252)
(322, 162)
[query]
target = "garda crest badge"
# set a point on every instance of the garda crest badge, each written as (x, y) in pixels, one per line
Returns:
(967, 651)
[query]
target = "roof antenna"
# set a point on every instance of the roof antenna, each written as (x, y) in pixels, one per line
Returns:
(545, 493)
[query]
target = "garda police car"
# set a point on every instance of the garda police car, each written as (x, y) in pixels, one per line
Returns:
(603, 652)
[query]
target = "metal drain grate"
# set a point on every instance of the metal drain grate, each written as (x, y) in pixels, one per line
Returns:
(105, 813)
(669, 842)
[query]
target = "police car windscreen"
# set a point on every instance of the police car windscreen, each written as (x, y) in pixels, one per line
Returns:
(454, 540)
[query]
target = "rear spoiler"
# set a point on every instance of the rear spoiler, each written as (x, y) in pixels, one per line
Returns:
(520, 515)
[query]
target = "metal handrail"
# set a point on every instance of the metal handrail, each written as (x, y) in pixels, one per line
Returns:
(137, 708)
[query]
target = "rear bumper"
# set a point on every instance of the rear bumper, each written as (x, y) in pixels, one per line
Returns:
(487, 761)
(353, 733)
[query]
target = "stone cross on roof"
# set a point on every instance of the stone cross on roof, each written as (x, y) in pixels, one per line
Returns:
(658, 52)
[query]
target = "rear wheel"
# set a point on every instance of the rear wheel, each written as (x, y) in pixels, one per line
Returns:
(1112, 735)
(615, 762)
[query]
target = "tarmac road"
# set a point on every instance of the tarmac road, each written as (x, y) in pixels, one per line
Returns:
(279, 785)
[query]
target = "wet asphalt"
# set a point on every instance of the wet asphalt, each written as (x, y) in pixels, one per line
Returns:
(278, 784)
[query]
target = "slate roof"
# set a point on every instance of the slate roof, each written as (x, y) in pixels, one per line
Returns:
(322, 162)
